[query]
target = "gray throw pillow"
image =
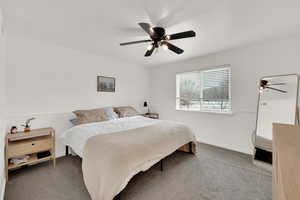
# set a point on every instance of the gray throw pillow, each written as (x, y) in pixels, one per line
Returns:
(89, 116)
(126, 111)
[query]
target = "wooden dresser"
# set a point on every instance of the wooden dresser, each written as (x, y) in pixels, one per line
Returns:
(29, 143)
(286, 162)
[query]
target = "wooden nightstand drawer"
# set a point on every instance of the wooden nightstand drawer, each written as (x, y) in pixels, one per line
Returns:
(19, 148)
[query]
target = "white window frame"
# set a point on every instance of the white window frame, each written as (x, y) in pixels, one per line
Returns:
(228, 67)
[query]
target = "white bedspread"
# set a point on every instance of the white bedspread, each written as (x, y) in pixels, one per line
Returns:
(77, 136)
(111, 160)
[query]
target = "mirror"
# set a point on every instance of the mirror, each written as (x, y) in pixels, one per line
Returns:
(277, 103)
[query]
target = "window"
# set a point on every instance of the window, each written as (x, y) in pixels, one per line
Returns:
(206, 90)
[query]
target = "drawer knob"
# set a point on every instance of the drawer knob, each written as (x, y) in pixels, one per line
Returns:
(32, 144)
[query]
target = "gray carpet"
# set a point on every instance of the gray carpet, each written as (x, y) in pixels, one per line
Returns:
(213, 174)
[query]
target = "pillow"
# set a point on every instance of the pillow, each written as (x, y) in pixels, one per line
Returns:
(110, 113)
(74, 121)
(126, 111)
(89, 116)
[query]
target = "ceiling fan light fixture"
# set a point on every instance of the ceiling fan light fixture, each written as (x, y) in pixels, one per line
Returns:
(261, 89)
(168, 37)
(164, 46)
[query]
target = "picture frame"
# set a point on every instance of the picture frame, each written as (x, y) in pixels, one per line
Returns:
(106, 84)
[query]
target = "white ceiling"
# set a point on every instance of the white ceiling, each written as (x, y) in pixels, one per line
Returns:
(98, 26)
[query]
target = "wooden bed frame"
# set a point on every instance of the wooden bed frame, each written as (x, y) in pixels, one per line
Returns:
(188, 148)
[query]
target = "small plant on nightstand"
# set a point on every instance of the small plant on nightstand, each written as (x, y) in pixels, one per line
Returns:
(27, 124)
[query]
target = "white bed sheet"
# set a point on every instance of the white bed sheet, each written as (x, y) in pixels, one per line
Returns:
(77, 136)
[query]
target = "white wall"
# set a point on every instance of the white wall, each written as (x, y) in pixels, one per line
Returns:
(248, 65)
(46, 79)
(2, 105)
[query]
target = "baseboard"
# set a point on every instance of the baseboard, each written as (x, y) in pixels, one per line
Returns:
(263, 165)
(3, 189)
(226, 148)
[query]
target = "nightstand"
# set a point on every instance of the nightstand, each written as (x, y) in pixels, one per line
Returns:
(152, 115)
(31, 143)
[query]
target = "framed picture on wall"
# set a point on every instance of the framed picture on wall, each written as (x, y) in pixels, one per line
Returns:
(106, 84)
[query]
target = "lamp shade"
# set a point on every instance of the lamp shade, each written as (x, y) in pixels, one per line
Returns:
(145, 104)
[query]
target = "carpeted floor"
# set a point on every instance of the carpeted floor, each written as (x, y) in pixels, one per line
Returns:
(213, 174)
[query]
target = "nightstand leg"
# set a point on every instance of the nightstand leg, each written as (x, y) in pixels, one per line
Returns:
(6, 160)
(6, 174)
(53, 150)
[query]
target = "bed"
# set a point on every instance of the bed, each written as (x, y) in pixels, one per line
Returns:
(114, 151)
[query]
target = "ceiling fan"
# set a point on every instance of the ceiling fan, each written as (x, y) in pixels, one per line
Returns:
(158, 37)
(264, 84)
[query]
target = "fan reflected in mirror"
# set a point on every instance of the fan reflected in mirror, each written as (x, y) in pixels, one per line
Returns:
(265, 84)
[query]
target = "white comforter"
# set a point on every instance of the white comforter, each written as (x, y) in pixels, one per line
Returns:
(77, 136)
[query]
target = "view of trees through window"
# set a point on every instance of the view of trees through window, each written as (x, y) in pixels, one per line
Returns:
(207, 90)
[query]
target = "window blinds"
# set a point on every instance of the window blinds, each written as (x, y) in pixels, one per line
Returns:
(207, 90)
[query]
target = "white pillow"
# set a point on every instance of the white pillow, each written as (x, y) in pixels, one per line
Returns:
(110, 113)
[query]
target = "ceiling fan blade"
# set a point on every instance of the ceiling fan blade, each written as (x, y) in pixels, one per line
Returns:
(173, 48)
(146, 27)
(181, 35)
(278, 90)
(135, 42)
(277, 84)
(149, 52)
